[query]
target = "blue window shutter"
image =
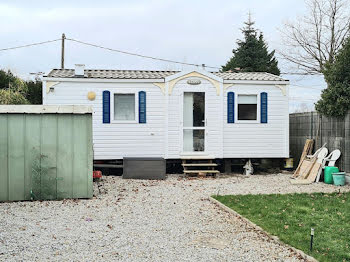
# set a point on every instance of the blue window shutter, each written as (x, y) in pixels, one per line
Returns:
(230, 107)
(142, 107)
(106, 107)
(263, 107)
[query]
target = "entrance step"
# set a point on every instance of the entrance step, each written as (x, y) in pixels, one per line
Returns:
(201, 171)
(199, 165)
(198, 157)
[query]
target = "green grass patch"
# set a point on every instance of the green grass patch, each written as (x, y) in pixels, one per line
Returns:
(291, 217)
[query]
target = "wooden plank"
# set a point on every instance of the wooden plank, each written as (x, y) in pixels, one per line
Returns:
(80, 169)
(32, 153)
(199, 157)
(3, 159)
(16, 144)
(65, 156)
(49, 157)
(201, 171)
(200, 164)
(311, 176)
(314, 171)
(306, 168)
(306, 151)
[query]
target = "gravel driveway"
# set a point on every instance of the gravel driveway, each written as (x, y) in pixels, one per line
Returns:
(138, 220)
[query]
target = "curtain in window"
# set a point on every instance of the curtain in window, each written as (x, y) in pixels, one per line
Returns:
(124, 106)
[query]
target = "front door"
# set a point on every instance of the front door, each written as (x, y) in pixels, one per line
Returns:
(194, 122)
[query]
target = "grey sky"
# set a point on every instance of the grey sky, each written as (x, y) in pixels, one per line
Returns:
(189, 31)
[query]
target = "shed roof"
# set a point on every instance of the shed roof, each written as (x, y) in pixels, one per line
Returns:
(146, 74)
(48, 109)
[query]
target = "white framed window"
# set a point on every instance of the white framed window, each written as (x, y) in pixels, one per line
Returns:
(247, 107)
(124, 107)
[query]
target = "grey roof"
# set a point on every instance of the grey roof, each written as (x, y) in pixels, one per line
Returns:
(112, 74)
(258, 76)
(143, 74)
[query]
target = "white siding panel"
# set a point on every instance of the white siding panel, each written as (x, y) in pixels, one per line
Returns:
(118, 140)
(256, 140)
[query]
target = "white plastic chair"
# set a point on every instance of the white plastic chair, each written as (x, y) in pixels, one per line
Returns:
(332, 158)
(321, 156)
(323, 150)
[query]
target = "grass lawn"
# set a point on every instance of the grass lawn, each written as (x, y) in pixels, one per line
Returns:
(291, 217)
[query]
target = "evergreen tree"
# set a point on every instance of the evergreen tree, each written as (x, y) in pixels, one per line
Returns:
(14, 90)
(34, 93)
(335, 99)
(6, 79)
(252, 54)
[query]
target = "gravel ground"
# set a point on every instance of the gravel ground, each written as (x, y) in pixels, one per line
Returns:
(139, 220)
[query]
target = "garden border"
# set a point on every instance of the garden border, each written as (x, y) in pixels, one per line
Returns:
(274, 238)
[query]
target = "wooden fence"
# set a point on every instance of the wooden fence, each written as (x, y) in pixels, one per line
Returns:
(335, 132)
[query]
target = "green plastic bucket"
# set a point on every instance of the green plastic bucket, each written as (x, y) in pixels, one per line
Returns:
(339, 178)
(328, 171)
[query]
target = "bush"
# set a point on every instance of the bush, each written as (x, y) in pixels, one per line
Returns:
(10, 97)
(14, 90)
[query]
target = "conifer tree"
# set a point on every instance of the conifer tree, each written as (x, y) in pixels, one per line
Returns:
(252, 54)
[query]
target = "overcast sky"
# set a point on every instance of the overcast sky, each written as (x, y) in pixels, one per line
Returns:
(188, 31)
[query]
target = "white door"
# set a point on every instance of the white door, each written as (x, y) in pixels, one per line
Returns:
(194, 122)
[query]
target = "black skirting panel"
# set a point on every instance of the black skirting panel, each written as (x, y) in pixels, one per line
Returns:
(144, 168)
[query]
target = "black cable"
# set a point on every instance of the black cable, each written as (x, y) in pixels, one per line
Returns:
(28, 45)
(139, 55)
(127, 53)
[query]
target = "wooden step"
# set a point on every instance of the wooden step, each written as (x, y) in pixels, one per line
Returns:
(201, 171)
(199, 157)
(201, 164)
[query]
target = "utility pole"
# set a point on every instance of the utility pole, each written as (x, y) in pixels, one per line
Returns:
(62, 51)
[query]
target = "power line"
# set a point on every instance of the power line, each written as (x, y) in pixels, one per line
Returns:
(130, 53)
(29, 45)
(139, 55)
(161, 59)
(110, 49)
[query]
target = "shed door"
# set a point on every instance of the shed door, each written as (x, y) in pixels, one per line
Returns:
(194, 122)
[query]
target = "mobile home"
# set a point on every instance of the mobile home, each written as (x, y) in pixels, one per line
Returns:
(171, 114)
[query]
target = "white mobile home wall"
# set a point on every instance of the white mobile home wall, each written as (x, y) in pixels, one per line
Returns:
(115, 141)
(161, 135)
(258, 140)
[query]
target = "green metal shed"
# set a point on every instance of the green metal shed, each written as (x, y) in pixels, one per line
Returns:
(45, 152)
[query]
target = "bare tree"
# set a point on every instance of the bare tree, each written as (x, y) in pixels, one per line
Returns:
(315, 38)
(303, 107)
